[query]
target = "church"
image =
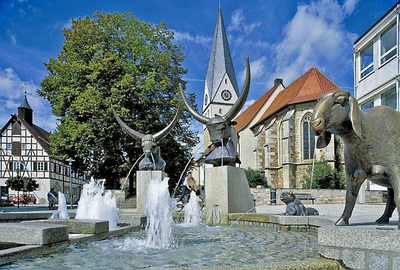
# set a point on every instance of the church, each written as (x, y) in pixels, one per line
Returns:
(274, 134)
(25, 151)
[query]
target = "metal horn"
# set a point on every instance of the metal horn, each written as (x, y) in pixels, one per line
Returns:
(137, 135)
(201, 118)
(159, 135)
(243, 96)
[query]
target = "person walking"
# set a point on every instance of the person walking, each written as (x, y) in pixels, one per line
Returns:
(188, 186)
(52, 198)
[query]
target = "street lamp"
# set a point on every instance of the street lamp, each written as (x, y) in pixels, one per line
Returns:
(70, 179)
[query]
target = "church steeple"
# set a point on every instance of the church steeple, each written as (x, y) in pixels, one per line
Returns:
(221, 90)
(25, 111)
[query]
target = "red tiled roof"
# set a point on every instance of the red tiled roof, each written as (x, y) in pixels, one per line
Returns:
(308, 87)
(41, 135)
(245, 117)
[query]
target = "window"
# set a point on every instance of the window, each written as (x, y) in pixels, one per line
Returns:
(367, 105)
(39, 166)
(308, 139)
(13, 166)
(23, 146)
(367, 61)
(389, 98)
(9, 146)
(388, 44)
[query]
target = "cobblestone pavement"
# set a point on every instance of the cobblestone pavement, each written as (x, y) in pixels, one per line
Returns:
(362, 213)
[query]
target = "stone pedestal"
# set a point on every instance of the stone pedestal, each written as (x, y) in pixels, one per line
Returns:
(142, 182)
(226, 191)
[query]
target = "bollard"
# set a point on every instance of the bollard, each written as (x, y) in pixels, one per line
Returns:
(273, 195)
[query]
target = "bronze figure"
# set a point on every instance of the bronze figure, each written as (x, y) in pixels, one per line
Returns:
(371, 146)
(152, 160)
(220, 128)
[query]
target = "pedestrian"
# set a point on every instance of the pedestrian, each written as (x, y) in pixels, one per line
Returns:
(188, 186)
(52, 198)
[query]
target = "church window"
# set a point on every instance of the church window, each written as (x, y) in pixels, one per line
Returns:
(206, 100)
(226, 81)
(308, 139)
(220, 111)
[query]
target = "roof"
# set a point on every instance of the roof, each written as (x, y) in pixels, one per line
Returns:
(220, 62)
(307, 87)
(42, 136)
(25, 104)
(380, 19)
(244, 119)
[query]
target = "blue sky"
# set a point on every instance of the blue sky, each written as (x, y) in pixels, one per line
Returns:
(283, 39)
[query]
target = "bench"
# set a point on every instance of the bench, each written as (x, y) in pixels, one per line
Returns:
(305, 196)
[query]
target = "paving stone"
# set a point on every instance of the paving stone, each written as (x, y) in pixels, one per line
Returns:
(379, 261)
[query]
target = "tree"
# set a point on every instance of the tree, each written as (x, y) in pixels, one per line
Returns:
(324, 177)
(19, 183)
(255, 178)
(115, 60)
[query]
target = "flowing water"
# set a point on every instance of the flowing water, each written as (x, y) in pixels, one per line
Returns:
(198, 246)
(97, 204)
(192, 211)
(61, 212)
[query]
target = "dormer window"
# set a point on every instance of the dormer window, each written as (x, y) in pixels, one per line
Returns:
(367, 61)
(388, 44)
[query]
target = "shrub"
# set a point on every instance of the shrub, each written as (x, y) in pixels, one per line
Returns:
(255, 178)
(325, 177)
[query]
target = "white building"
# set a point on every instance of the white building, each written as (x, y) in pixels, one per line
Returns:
(25, 151)
(377, 64)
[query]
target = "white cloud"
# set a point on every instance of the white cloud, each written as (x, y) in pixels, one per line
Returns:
(349, 6)
(199, 39)
(238, 23)
(11, 94)
(11, 37)
(315, 37)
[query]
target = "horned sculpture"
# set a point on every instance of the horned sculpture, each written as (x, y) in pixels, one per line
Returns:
(152, 160)
(371, 146)
(220, 128)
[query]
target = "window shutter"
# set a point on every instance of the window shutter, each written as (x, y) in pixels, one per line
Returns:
(35, 166)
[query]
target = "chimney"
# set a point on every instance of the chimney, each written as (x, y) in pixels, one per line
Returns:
(277, 80)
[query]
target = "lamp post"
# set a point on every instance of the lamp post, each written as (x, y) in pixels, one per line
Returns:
(70, 179)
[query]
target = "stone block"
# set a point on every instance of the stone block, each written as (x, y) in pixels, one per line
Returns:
(379, 261)
(326, 236)
(226, 191)
(396, 263)
(142, 182)
(79, 226)
(354, 259)
(293, 220)
(319, 222)
(33, 233)
(330, 253)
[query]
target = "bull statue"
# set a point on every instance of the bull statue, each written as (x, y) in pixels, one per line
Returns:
(223, 151)
(152, 160)
(371, 146)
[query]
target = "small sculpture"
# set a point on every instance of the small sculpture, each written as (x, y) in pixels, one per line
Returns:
(152, 160)
(294, 207)
(371, 146)
(220, 128)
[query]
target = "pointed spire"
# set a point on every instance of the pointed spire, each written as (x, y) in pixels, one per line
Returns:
(25, 103)
(25, 111)
(220, 61)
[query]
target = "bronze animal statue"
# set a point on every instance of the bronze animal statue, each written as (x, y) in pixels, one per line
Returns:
(294, 207)
(371, 146)
(152, 160)
(220, 128)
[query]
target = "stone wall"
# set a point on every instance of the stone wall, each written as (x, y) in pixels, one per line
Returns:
(323, 196)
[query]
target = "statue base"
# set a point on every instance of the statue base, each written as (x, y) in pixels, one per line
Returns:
(226, 191)
(142, 182)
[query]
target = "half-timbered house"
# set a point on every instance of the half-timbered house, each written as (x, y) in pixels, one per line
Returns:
(25, 151)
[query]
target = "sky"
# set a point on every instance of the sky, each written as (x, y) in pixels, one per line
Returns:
(283, 39)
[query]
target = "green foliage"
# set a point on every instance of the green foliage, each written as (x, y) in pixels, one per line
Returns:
(256, 178)
(19, 183)
(115, 60)
(325, 177)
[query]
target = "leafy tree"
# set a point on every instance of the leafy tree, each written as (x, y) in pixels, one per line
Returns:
(115, 60)
(325, 177)
(19, 183)
(255, 178)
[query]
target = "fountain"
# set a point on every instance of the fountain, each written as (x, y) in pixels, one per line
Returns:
(61, 212)
(95, 204)
(192, 211)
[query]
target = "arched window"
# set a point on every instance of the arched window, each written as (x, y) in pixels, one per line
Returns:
(308, 139)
